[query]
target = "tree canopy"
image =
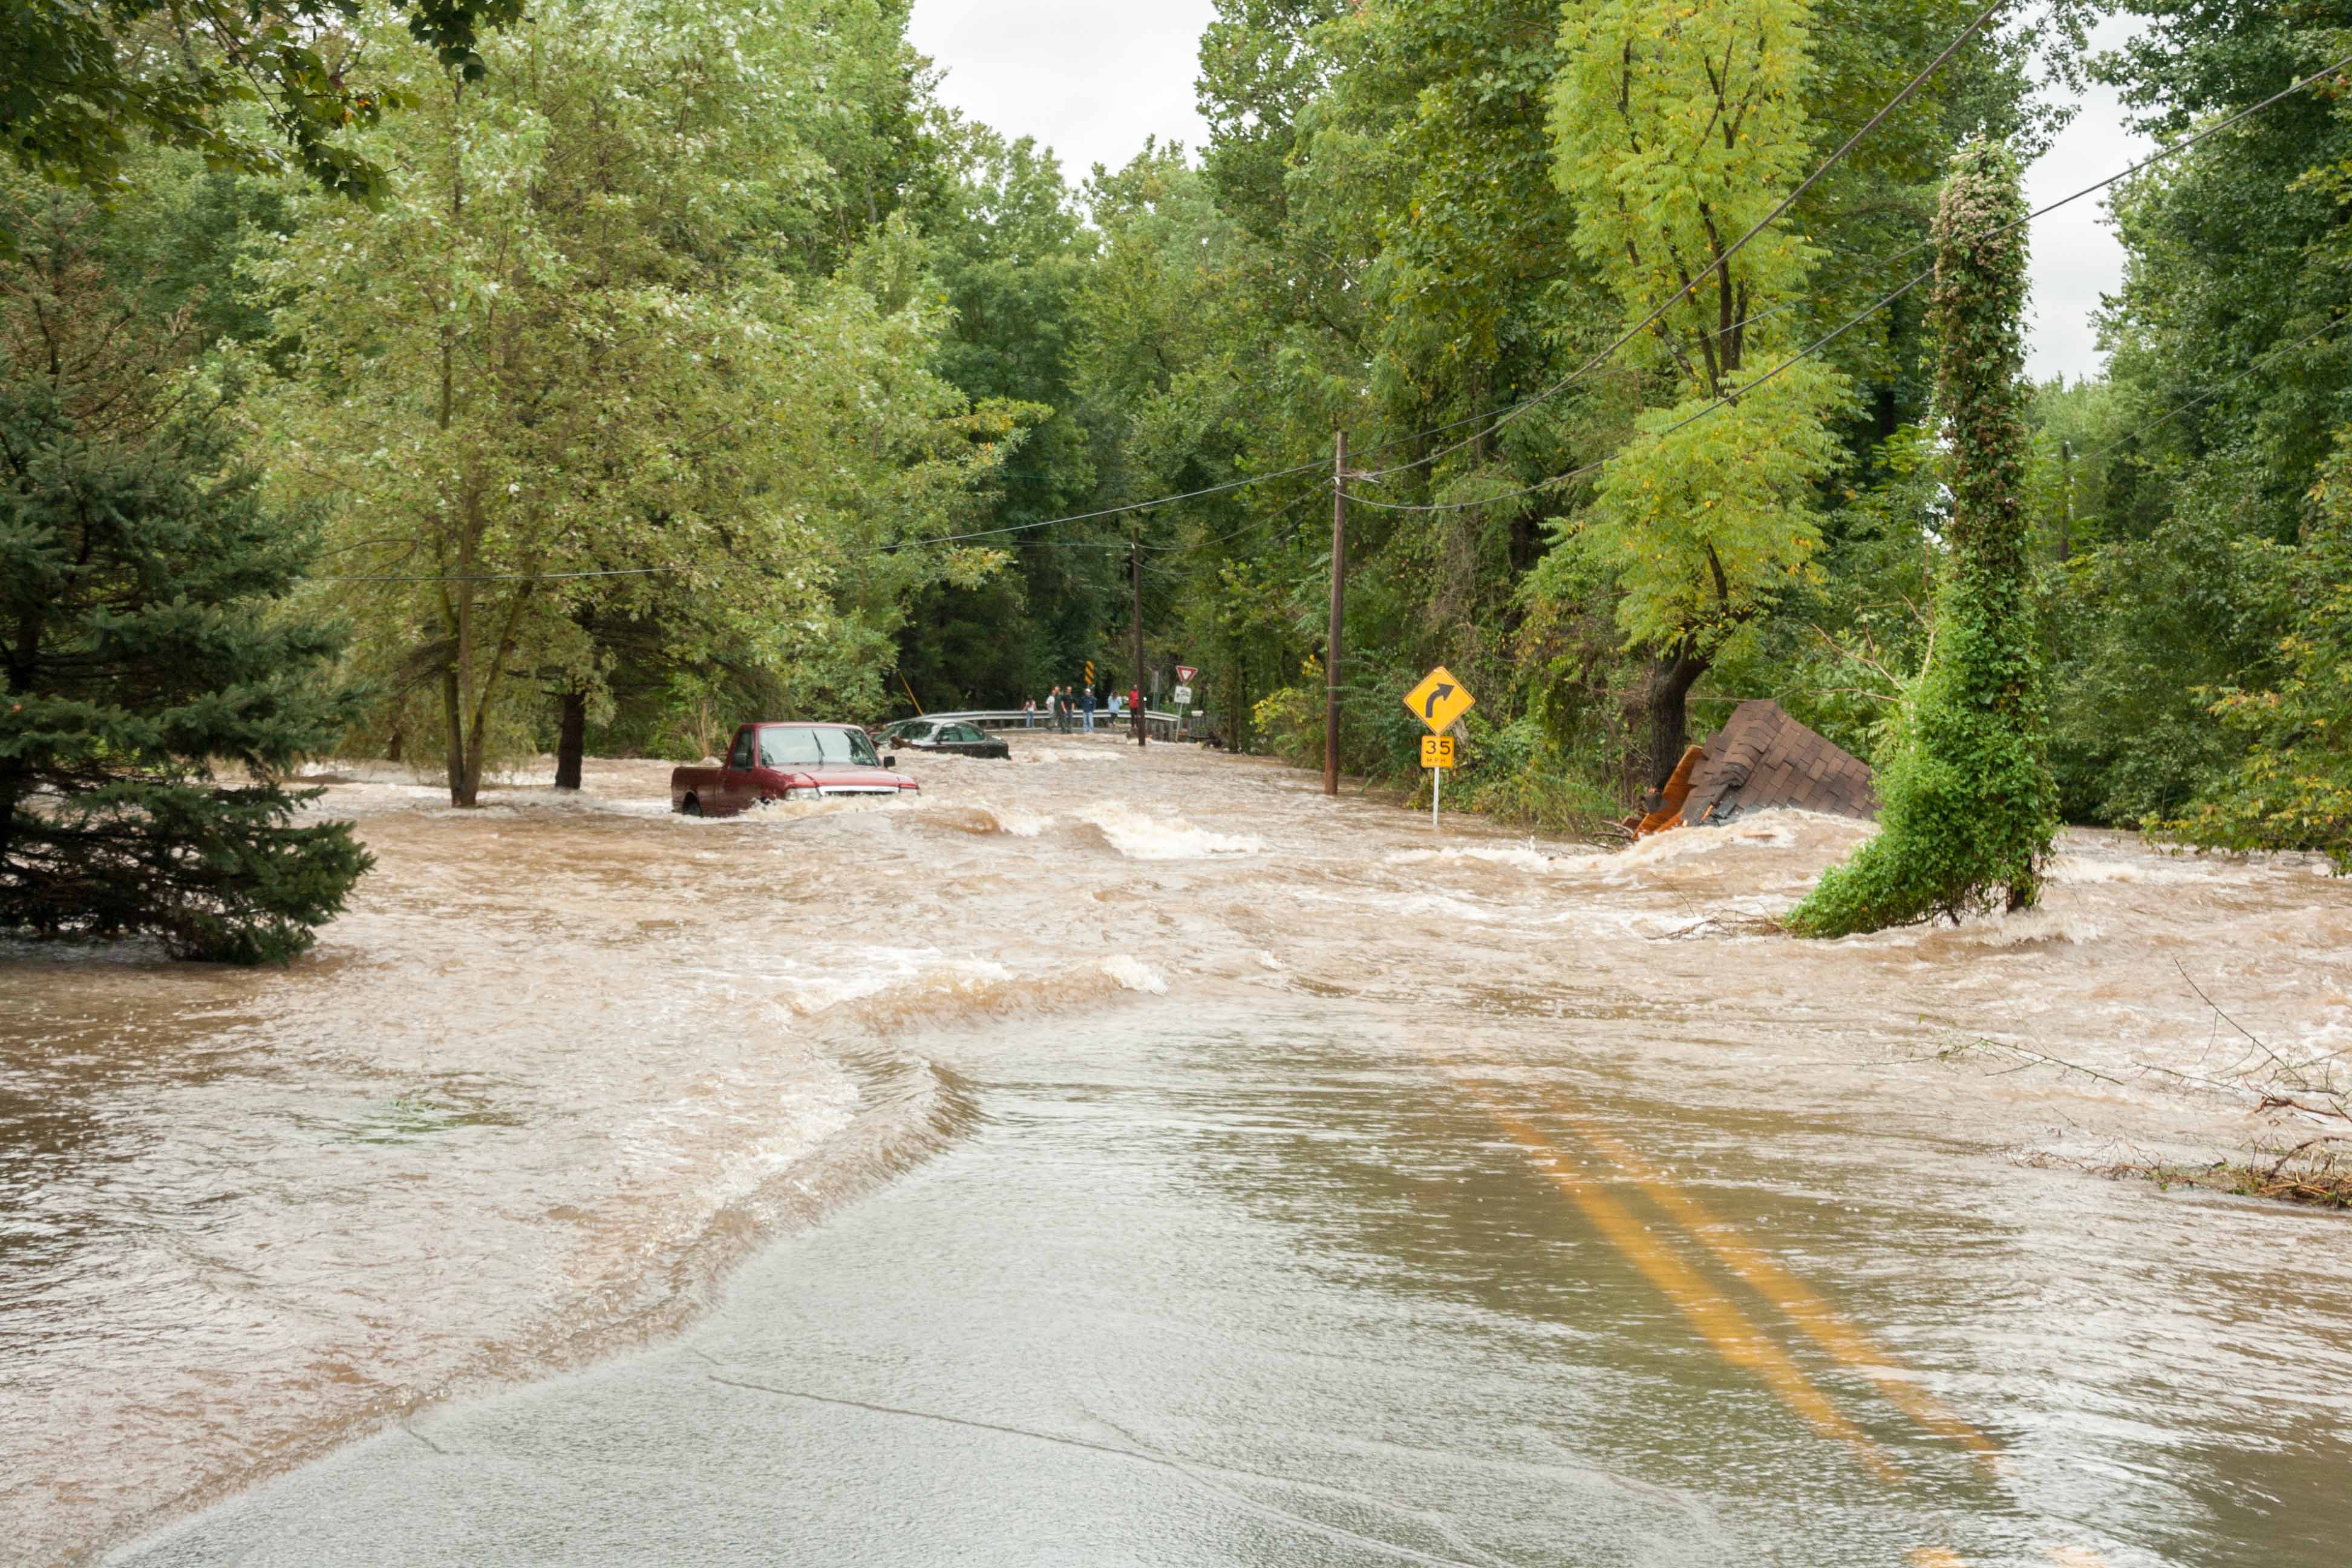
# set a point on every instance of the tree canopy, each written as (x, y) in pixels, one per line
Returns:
(638, 363)
(82, 80)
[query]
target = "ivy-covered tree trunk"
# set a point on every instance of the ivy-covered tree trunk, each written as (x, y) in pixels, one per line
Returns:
(1969, 807)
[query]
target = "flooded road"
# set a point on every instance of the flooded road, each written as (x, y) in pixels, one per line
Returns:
(1144, 1159)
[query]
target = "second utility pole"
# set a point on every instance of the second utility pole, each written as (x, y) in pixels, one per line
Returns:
(1339, 604)
(1135, 579)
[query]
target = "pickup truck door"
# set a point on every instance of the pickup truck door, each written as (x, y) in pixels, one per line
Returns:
(739, 786)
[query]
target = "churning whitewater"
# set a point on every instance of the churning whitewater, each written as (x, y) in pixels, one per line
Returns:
(570, 1061)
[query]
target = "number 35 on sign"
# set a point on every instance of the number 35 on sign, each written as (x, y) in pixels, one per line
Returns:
(1437, 750)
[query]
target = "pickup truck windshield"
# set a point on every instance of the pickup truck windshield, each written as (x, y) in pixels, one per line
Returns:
(797, 746)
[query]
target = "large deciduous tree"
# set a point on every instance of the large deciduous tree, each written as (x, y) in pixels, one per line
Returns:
(1005, 242)
(1679, 128)
(568, 382)
(145, 634)
(2292, 788)
(82, 80)
(1968, 809)
(2229, 384)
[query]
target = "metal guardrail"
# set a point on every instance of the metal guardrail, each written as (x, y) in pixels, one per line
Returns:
(1160, 726)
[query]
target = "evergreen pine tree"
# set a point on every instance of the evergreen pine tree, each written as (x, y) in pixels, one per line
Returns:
(1968, 807)
(145, 639)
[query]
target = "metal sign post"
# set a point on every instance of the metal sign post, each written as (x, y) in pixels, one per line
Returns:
(1436, 755)
(1439, 701)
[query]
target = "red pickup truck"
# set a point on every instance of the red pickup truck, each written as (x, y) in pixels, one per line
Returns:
(787, 762)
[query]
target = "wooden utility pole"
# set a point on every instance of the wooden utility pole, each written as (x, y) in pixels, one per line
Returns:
(1135, 581)
(2066, 517)
(1338, 607)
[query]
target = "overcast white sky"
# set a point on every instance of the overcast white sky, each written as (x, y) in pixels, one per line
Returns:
(1092, 78)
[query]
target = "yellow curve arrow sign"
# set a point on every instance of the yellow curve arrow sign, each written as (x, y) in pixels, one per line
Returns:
(1439, 700)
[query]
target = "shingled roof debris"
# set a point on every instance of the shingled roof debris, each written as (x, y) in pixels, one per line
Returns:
(1760, 759)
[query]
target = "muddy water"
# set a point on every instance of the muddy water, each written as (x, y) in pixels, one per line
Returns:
(1296, 1142)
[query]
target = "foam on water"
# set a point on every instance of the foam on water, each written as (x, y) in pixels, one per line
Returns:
(854, 975)
(1134, 974)
(1009, 820)
(559, 1065)
(2082, 867)
(1518, 858)
(1141, 837)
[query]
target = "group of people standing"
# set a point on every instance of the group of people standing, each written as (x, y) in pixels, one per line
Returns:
(1073, 706)
(1063, 704)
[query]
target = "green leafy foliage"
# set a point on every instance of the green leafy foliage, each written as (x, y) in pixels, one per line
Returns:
(2228, 386)
(1968, 807)
(1681, 129)
(678, 332)
(1007, 252)
(2146, 631)
(1704, 525)
(578, 412)
(144, 587)
(80, 78)
(2292, 788)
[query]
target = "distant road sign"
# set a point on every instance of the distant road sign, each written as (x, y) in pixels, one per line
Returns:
(1184, 674)
(1182, 697)
(1437, 750)
(1439, 700)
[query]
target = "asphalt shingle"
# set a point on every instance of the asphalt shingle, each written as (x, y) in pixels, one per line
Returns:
(1764, 758)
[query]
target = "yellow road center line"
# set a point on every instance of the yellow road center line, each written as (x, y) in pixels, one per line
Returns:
(1734, 1336)
(1804, 1306)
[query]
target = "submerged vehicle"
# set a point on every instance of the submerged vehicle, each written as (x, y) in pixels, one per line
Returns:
(964, 740)
(787, 762)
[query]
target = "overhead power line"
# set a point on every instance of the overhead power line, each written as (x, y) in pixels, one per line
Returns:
(502, 576)
(2212, 393)
(1116, 510)
(1512, 411)
(1724, 258)
(2172, 151)
(1808, 352)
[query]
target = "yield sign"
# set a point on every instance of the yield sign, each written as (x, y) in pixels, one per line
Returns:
(1184, 674)
(1439, 700)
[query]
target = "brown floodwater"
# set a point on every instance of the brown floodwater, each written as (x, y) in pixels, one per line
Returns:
(1120, 1157)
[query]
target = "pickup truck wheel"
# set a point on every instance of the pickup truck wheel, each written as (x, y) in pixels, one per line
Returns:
(691, 806)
